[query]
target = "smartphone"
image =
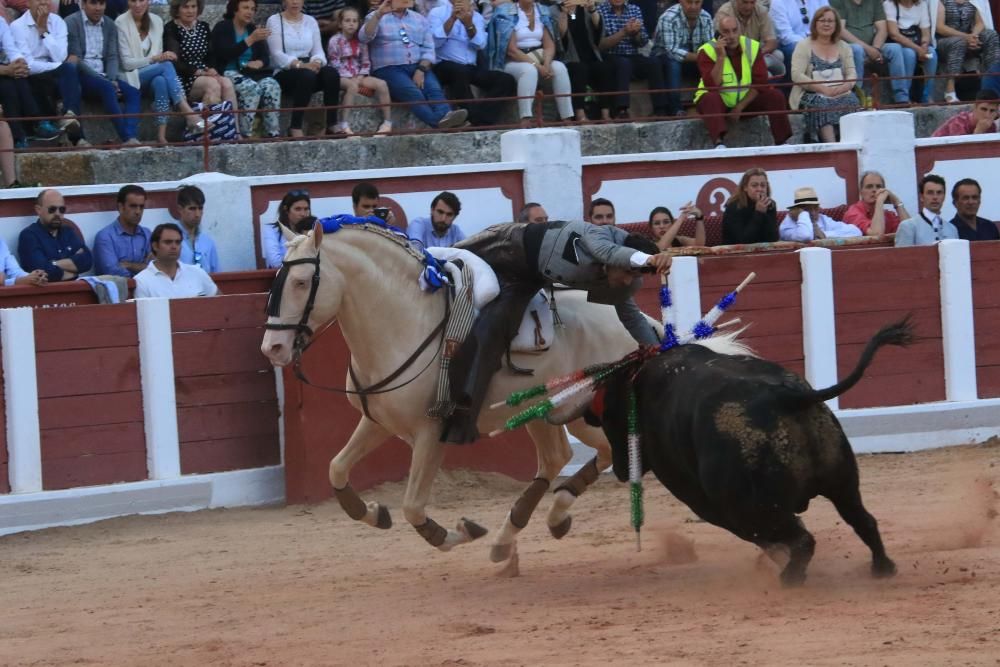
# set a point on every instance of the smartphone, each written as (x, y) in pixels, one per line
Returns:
(381, 212)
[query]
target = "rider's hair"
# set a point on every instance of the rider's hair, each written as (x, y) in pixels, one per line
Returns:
(640, 243)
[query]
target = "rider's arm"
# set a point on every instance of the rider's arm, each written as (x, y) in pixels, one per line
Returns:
(637, 324)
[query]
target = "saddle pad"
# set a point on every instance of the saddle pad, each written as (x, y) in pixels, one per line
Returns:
(537, 331)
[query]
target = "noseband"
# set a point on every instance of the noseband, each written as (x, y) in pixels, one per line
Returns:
(302, 329)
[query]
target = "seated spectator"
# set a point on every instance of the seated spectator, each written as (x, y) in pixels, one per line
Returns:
(791, 23)
(991, 79)
(294, 206)
(581, 28)
(16, 97)
(680, 32)
(863, 27)
(982, 119)
(729, 67)
(624, 34)
(750, 215)
(824, 77)
(51, 246)
(961, 33)
(93, 57)
(602, 212)
(966, 195)
(13, 274)
(349, 57)
(241, 54)
(197, 248)
(664, 228)
(439, 230)
(459, 36)
(166, 276)
(909, 25)
(534, 213)
(326, 13)
(297, 53)
(8, 169)
(804, 222)
(146, 66)
(755, 23)
(522, 42)
(364, 199)
(929, 227)
(122, 248)
(869, 214)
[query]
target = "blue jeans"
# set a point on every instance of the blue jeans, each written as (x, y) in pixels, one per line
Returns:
(675, 70)
(91, 86)
(161, 79)
(787, 49)
(929, 67)
(399, 78)
(893, 55)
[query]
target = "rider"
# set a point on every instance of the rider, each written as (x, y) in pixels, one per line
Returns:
(603, 260)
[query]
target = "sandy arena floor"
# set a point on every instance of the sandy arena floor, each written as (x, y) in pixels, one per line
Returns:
(307, 586)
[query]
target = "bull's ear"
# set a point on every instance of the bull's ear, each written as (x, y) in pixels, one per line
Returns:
(287, 233)
(317, 235)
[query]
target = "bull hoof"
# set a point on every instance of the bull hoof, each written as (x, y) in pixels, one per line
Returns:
(559, 530)
(471, 528)
(501, 552)
(384, 519)
(883, 569)
(792, 579)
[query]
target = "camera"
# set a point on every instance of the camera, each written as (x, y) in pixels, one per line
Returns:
(381, 212)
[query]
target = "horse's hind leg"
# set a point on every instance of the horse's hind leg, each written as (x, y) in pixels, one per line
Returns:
(553, 452)
(367, 436)
(559, 519)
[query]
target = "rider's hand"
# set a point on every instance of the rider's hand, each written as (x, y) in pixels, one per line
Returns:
(660, 262)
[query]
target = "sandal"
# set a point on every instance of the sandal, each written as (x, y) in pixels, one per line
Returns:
(384, 128)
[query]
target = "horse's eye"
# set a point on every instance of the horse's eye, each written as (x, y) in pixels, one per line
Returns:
(299, 284)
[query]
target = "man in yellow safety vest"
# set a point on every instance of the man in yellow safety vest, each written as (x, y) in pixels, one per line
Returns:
(734, 83)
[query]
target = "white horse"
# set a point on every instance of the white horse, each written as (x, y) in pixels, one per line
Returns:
(367, 279)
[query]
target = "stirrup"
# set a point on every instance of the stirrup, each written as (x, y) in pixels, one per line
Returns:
(517, 370)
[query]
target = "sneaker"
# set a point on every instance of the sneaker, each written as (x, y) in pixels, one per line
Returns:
(719, 146)
(132, 141)
(453, 118)
(82, 143)
(68, 120)
(384, 128)
(45, 130)
(951, 98)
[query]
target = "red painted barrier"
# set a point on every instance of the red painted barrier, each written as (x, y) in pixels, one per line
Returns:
(4, 475)
(986, 301)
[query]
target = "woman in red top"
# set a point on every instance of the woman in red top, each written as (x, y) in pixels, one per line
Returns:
(869, 214)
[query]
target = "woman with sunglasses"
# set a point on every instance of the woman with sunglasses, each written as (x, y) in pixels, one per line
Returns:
(294, 206)
(298, 58)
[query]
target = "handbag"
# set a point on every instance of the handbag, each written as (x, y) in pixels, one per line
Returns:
(913, 33)
(830, 77)
(223, 122)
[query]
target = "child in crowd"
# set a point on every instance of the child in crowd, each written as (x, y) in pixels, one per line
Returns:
(350, 57)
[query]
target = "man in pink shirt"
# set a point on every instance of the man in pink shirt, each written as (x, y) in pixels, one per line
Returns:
(981, 120)
(869, 214)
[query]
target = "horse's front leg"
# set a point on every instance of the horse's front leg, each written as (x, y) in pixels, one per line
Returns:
(428, 454)
(367, 437)
(559, 519)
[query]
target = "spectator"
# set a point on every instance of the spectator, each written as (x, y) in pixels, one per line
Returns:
(868, 214)
(725, 93)
(401, 46)
(459, 36)
(909, 25)
(350, 58)
(439, 230)
(602, 212)
(982, 119)
(146, 66)
(961, 32)
(991, 80)
(863, 27)
(50, 245)
(241, 54)
(791, 23)
(197, 248)
(522, 42)
(294, 206)
(930, 227)
(805, 223)
(581, 28)
(297, 52)
(824, 76)
(755, 23)
(45, 51)
(966, 195)
(624, 34)
(681, 31)
(534, 213)
(16, 97)
(326, 13)
(122, 248)
(13, 274)
(93, 58)
(364, 198)
(8, 169)
(166, 276)
(750, 215)
(664, 228)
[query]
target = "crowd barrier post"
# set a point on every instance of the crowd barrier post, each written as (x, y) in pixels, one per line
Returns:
(553, 168)
(887, 144)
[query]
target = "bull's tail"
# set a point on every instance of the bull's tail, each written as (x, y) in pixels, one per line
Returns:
(898, 333)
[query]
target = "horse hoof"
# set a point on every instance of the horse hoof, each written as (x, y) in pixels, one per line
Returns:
(471, 528)
(384, 520)
(501, 552)
(559, 530)
(511, 569)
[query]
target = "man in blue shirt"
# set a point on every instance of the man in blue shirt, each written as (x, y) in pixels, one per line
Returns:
(459, 36)
(122, 248)
(966, 195)
(51, 245)
(197, 247)
(439, 230)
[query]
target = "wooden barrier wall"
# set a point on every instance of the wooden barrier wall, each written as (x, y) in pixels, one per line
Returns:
(986, 303)
(4, 475)
(89, 396)
(227, 408)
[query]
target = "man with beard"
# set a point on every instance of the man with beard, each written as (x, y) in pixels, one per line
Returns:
(50, 244)
(439, 230)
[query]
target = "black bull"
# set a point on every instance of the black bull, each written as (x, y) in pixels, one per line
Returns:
(746, 444)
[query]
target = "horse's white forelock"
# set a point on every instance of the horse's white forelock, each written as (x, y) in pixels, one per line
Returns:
(728, 343)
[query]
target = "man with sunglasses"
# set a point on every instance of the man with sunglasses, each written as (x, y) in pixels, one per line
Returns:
(50, 244)
(198, 248)
(791, 22)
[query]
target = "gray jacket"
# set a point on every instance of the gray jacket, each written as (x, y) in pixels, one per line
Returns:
(575, 254)
(78, 44)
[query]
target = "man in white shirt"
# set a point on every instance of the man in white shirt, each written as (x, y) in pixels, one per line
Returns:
(166, 276)
(804, 222)
(42, 40)
(929, 227)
